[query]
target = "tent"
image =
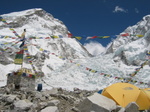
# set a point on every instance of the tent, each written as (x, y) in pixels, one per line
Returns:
(147, 91)
(125, 93)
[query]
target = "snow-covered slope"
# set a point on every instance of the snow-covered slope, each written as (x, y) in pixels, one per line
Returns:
(65, 62)
(37, 22)
(132, 49)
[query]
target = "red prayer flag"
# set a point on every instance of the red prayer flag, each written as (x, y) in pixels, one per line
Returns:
(94, 37)
(125, 34)
(70, 35)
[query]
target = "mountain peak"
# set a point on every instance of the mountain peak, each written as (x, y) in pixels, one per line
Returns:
(24, 12)
(37, 22)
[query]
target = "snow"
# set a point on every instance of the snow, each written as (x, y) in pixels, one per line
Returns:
(71, 72)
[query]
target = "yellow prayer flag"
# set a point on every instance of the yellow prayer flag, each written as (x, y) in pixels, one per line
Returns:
(55, 37)
(79, 38)
(11, 29)
(25, 49)
(18, 61)
(60, 57)
(78, 64)
(6, 43)
(3, 20)
(93, 71)
(41, 49)
(139, 35)
(6, 37)
(106, 36)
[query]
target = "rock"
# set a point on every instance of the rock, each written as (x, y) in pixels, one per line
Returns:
(75, 109)
(38, 95)
(8, 90)
(118, 108)
(121, 110)
(97, 103)
(132, 107)
(43, 104)
(50, 109)
(22, 105)
(23, 96)
(11, 98)
(52, 91)
(53, 103)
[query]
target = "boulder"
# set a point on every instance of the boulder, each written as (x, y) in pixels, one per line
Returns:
(50, 109)
(52, 91)
(22, 105)
(53, 102)
(132, 107)
(11, 98)
(97, 103)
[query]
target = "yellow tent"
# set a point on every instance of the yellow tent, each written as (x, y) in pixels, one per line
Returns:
(147, 92)
(125, 93)
(143, 99)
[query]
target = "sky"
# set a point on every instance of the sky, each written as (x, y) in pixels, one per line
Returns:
(87, 17)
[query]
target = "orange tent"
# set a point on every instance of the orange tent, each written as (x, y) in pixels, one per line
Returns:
(125, 93)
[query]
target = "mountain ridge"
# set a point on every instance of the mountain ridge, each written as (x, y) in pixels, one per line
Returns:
(65, 63)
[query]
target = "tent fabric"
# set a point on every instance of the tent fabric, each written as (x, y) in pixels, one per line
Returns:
(125, 93)
(143, 101)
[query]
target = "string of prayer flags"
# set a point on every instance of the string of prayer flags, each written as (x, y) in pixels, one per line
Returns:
(138, 69)
(23, 74)
(127, 34)
(7, 37)
(10, 27)
(71, 36)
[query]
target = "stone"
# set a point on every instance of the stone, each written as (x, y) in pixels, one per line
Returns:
(132, 107)
(52, 91)
(11, 98)
(23, 96)
(43, 104)
(50, 109)
(97, 103)
(118, 108)
(121, 110)
(38, 95)
(22, 105)
(53, 103)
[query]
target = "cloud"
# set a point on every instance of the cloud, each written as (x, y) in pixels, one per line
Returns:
(94, 48)
(119, 9)
(136, 10)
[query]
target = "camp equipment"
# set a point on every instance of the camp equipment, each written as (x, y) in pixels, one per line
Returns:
(125, 93)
